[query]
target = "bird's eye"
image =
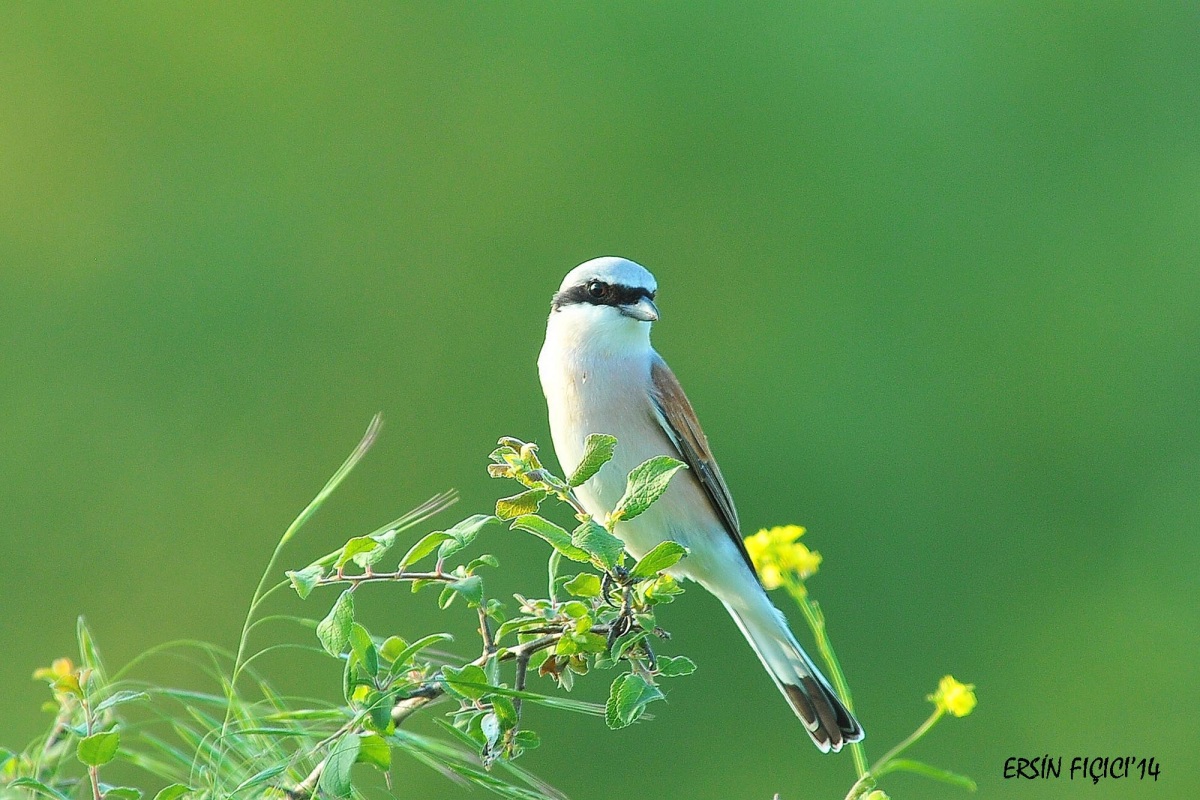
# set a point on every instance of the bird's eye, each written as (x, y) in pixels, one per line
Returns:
(597, 289)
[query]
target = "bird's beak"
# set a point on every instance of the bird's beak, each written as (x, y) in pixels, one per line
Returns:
(644, 310)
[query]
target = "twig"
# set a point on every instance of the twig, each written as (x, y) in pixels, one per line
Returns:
(485, 630)
(398, 575)
(307, 787)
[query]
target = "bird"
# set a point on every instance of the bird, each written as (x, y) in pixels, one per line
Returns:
(600, 375)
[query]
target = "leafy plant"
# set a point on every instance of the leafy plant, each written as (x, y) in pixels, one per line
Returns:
(596, 612)
(247, 740)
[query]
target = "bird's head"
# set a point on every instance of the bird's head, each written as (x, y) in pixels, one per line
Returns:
(608, 297)
(604, 305)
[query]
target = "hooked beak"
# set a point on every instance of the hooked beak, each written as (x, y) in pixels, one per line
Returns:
(644, 310)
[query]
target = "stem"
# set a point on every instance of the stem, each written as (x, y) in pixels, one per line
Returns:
(261, 591)
(485, 630)
(864, 783)
(552, 569)
(816, 621)
(398, 575)
(519, 680)
(308, 787)
(879, 765)
(93, 772)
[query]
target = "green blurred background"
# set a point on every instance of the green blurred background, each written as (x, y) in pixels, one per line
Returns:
(928, 271)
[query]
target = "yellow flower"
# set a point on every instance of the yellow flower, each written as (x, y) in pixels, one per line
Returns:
(954, 697)
(61, 668)
(778, 557)
(877, 794)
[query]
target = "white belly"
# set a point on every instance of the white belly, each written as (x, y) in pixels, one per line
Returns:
(612, 395)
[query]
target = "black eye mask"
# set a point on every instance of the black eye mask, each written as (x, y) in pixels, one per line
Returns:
(611, 294)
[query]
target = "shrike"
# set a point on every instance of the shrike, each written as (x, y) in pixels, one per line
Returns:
(600, 375)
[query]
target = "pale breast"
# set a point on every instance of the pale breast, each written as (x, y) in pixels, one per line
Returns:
(612, 396)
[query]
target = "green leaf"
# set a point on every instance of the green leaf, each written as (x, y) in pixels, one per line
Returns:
(365, 551)
(585, 584)
(553, 535)
(354, 547)
(99, 748)
(489, 725)
(391, 648)
(470, 587)
(379, 707)
(664, 556)
(384, 542)
(305, 580)
(335, 779)
(518, 624)
(375, 751)
(627, 700)
(591, 537)
(485, 560)
(586, 642)
(122, 793)
(626, 641)
(260, 777)
(598, 450)
(505, 710)
(470, 681)
(350, 677)
(173, 792)
(89, 656)
(647, 481)
(675, 666)
(117, 698)
(334, 630)
(528, 739)
(427, 544)
(462, 534)
(406, 655)
(526, 502)
(575, 609)
(663, 589)
(39, 787)
(364, 648)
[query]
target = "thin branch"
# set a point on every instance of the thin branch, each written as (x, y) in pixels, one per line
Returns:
(485, 631)
(398, 575)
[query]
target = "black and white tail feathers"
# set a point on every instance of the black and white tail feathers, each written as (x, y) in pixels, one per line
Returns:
(827, 720)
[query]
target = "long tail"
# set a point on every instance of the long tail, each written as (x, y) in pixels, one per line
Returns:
(828, 721)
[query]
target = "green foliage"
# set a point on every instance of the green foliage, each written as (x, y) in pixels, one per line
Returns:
(424, 547)
(526, 502)
(605, 549)
(305, 580)
(584, 584)
(627, 700)
(99, 748)
(244, 740)
(334, 630)
(662, 557)
(598, 450)
(645, 485)
(335, 778)
(553, 535)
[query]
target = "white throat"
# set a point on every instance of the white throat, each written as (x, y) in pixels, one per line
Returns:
(595, 373)
(588, 333)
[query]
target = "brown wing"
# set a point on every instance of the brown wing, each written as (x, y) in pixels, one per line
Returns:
(677, 418)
